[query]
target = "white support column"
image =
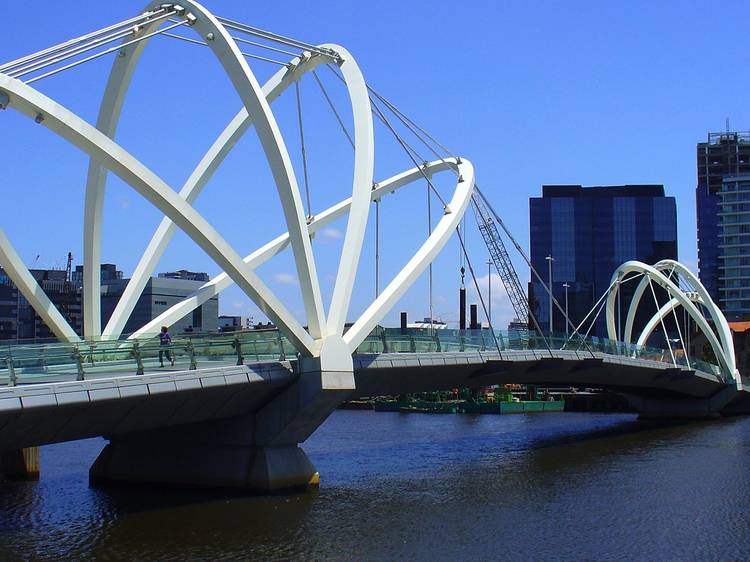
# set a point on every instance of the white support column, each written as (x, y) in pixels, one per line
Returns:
(278, 244)
(364, 161)
(192, 188)
(109, 115)
(417, 264)
(81, 134)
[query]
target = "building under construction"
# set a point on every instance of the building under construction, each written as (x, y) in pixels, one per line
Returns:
(722, 155)
(19, 321)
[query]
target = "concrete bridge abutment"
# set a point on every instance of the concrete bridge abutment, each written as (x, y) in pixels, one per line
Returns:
(257, 452)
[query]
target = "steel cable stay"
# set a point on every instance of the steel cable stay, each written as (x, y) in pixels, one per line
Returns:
(107, 51)
(303, 149)
(661, 321)
(75, 42)
(248, 55)
(601, 301)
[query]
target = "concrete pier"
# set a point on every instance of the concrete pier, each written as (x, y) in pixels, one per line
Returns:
(20, 464)
(256, 452)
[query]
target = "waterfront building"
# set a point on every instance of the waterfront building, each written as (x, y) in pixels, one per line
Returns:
(18, 320)
(723, 154)
(231, 323)
(159, 294)
(588, 232)
(734, 247)
(185, 274)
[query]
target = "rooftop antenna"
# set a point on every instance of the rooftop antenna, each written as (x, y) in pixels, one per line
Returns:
(727, 125)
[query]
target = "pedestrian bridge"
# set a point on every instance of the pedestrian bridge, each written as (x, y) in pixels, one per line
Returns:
(233, 408)
(227, 389)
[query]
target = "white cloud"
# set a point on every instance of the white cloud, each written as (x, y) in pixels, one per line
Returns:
(285, 278)
(502, 310)
(332, 233)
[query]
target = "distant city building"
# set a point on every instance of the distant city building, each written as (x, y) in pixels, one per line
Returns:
(722, 155)
(18, 320)
(589, 232)
(229, 323)
(734, 247)
(159, 295)
(427, 323)
(108, 272)
(186, 275)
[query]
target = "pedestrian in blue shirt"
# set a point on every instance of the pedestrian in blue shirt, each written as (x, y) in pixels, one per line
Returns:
(165, 341)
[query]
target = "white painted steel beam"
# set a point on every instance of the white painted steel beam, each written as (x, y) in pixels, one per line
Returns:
(723, 345)
(192, 188)
(419, 262)
(81, 134)
(278, 244)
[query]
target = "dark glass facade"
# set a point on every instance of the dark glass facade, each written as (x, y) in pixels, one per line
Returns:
(723, 154)
(590, 231)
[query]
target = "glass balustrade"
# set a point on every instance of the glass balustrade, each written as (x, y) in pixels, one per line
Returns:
(29, 362)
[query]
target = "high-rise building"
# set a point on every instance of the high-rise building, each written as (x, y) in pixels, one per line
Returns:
(588, 232)
(723, 154)
(734, 247)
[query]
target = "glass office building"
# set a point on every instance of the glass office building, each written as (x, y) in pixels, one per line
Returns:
(723, 154)
(734, 247)
(589, 232)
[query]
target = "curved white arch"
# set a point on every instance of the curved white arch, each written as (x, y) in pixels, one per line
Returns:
(454, 211)
(192, 188)
(723, 345)
(228, 54)
(325, 331)
(660, 316)
(81, 134)
(278, 244)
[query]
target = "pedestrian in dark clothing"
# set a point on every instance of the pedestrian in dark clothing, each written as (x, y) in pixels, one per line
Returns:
(165, 340)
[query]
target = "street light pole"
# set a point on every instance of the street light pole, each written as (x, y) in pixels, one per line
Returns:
(489, 293)
(550, 259)
(567, 320)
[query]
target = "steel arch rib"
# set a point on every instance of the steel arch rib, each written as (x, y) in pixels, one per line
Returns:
(657, 318)
(724, 349)
(81, 134)
(192, 188)
(275, 246)
(419, 262)
(247, 87)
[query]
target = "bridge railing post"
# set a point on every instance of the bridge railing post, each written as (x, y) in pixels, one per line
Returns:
(12, 379)
(384, 341)
(79, 363)
(437, 341)
(282, 353)
(191, 354)
(135, 352)
(238, 349)
(255, 349)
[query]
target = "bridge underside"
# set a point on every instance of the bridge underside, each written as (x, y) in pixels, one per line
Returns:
(240, 426)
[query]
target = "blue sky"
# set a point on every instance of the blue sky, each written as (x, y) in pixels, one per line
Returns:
(592, 93)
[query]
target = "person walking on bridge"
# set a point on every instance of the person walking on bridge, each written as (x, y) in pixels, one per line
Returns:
(165, 340)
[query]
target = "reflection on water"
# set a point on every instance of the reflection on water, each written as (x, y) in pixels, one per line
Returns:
(396, 486)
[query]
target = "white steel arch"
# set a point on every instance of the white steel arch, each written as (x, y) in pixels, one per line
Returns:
(323, 331)
(719, 337)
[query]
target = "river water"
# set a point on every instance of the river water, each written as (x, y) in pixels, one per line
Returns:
(429, 487)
